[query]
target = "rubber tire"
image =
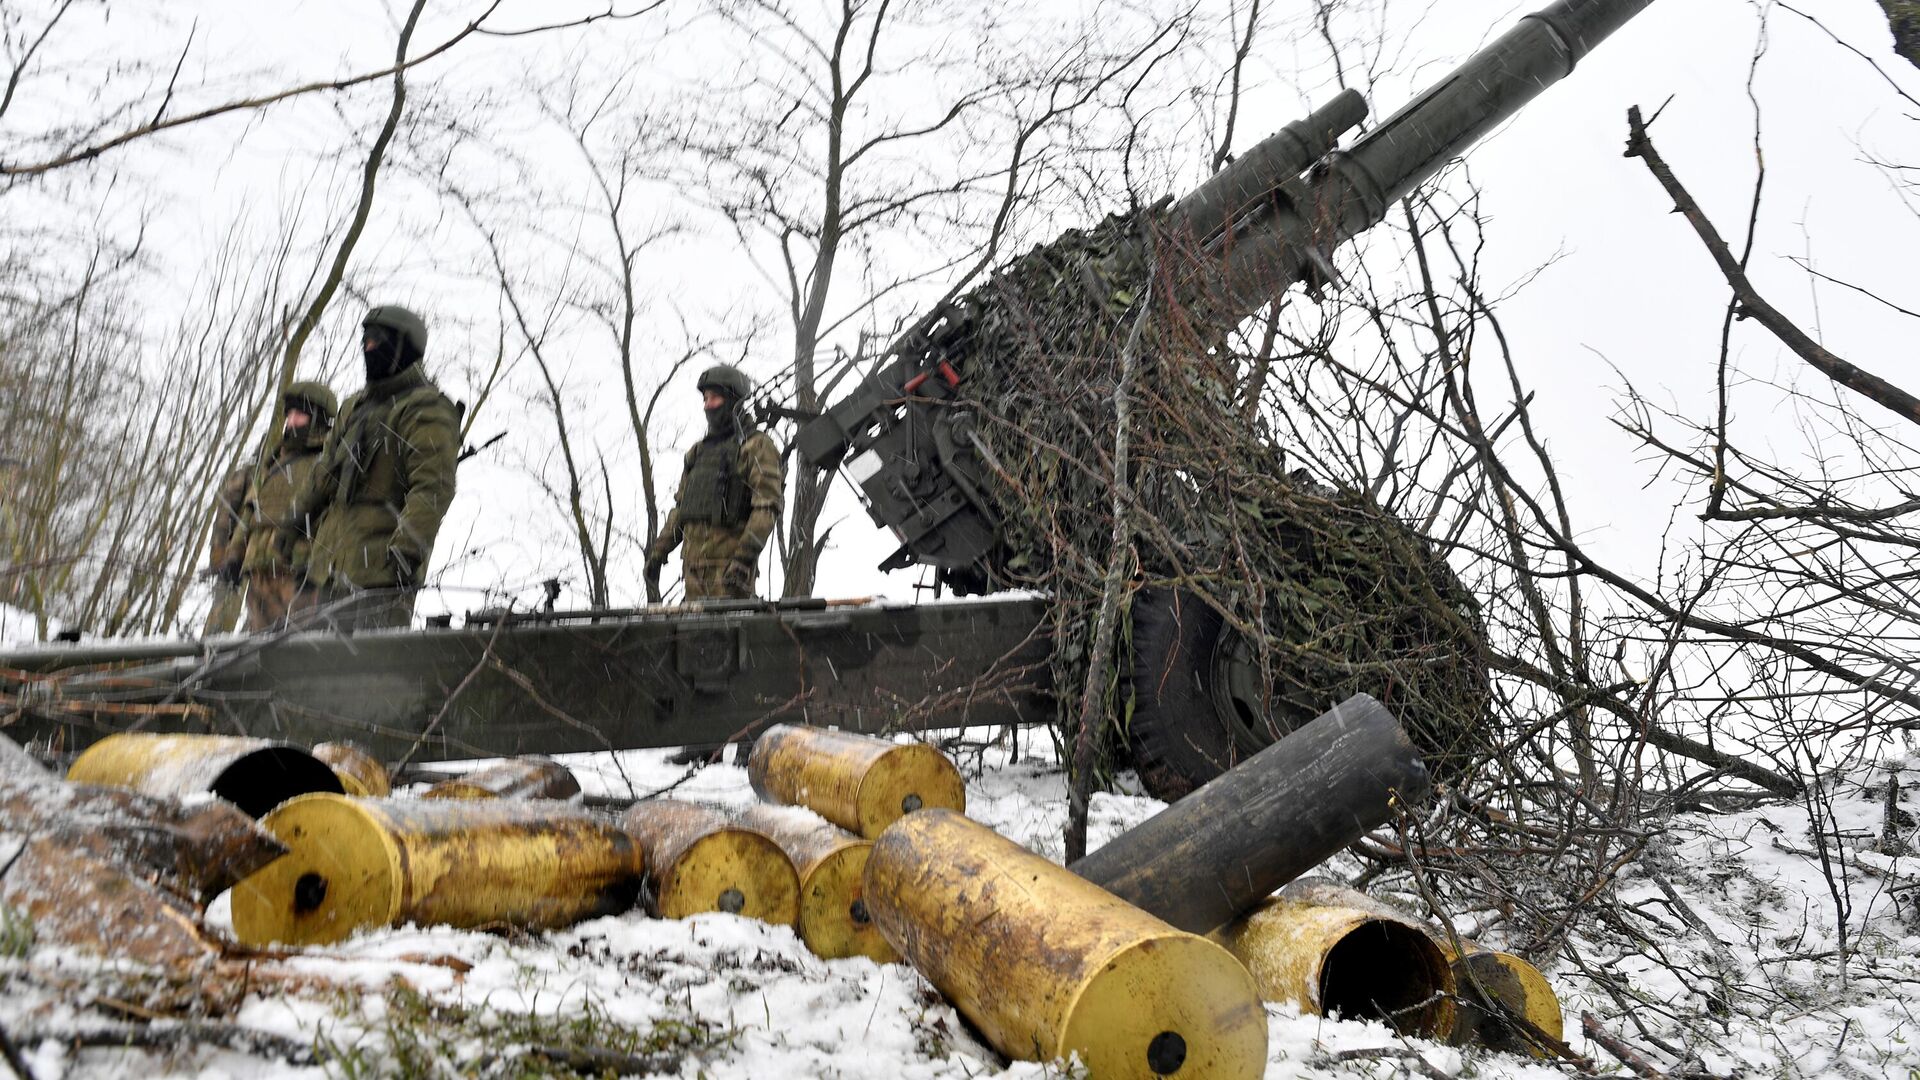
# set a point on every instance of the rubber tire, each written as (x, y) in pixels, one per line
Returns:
(1180, 735)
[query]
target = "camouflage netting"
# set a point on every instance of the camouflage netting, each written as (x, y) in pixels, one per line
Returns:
(1335, 595)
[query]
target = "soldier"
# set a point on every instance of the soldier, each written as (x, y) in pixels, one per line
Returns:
(226, 550)
(383, 482)
(729, 498)
(277, 549)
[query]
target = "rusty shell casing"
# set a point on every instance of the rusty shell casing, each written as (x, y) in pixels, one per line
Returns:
(363, 863)
(360, 773)
(1358, 963)
(832, 865)
(1517, 987)
(699, 859)
(858, 782)
(515, 778)
(254, 774)
(1047, 964)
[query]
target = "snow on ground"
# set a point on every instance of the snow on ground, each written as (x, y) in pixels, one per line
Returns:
(720, 996)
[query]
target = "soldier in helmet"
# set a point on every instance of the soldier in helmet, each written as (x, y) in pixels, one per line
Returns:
(276, 549)
(383, 482)
(729, 496)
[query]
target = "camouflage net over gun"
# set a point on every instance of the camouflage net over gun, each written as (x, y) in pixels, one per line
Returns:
(1330, 594)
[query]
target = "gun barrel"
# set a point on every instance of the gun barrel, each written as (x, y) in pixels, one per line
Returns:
(1285, 154)
(1357, 187)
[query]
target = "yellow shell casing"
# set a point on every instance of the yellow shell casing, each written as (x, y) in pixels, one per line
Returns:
(858, 782)
(361, 863)
(1360, 964)
(1047, 964)
(834, 921)
(360, 773)
(700, 860)
(1517, 986)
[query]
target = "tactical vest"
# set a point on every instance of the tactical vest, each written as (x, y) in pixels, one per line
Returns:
(715, 491)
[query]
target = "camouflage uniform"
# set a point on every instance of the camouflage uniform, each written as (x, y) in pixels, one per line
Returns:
(383, 483)
(277, 547)
(226, 550)
(729, 500)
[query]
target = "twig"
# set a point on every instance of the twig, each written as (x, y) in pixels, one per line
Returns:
(1618, 1048)
(1878, 390)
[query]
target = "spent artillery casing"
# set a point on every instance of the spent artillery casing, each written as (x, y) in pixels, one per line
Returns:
(254, 774)
(858, 782)
(1356, 962)
(1047, 964)
(832, 864)
(699, 859)
(1515, 986)
(1221, 851)
(360, 773)
(515, 778)
(358, 863)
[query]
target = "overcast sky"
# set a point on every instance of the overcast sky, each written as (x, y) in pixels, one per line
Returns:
(1630, 295)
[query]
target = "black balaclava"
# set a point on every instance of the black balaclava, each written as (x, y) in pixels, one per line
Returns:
(387, 353)
(724, 421)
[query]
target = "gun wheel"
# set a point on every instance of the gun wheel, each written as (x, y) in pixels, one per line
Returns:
(1196, 695)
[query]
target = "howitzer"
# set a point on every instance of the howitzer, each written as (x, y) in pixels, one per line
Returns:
(906, 433)
(579, 681)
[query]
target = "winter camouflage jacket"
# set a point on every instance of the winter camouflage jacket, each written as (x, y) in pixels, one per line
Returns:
(382, 484)
(733, 522)
(275, 545)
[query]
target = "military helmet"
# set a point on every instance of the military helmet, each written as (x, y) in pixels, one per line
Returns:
(324, 406)
(411, 328)
(728, 379)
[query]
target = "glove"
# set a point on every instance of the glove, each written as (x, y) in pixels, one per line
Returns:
(227, 573)
(406, 568)
(656, 562)
(739, 575)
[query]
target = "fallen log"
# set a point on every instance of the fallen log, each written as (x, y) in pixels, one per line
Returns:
(195, 852)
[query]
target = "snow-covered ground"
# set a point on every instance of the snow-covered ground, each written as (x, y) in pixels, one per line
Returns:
(720, 996)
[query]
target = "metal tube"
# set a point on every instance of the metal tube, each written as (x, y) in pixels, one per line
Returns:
(832, 864)
(1218, 853)
(700, 860)
(858, 782)
(361, 774)
(1285, 154)
(1358, 963)
(1357, 187)
(1045, 964)
(357, 864)
(254, 774)
(521, 778)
